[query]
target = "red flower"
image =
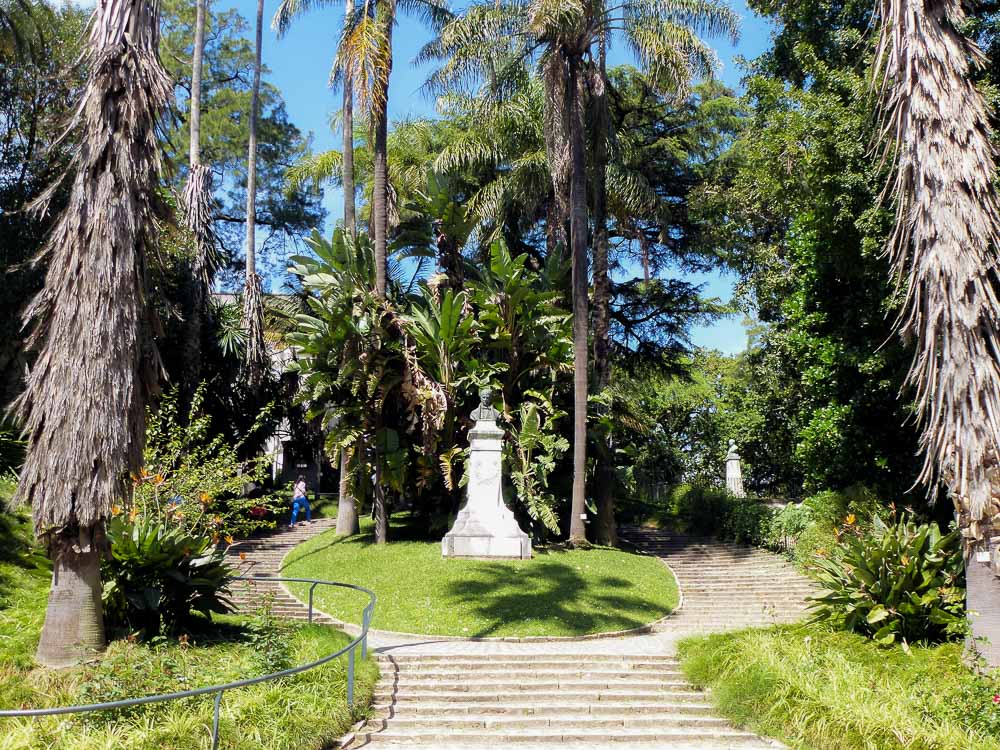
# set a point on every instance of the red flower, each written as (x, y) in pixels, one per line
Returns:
(257, 511)
(996, 700)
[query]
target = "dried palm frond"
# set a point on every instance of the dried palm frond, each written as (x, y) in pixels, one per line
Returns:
(256, 361)
(944, 247)
(84, 399)
(199, 211)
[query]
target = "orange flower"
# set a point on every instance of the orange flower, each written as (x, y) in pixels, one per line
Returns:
(229, 539)
(850, 519)
(158, 479)
(132, 514)
(116, 510)
(243, 555)
(205, 498)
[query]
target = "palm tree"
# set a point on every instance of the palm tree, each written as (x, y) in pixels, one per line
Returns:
(492, 41)
(255, 360)
(198, 209)
(944, 254)
(347, 512)
(83, 405)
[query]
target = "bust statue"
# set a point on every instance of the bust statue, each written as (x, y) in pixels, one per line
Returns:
(485, 411)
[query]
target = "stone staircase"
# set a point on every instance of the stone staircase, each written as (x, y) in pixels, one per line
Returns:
(261, 555)
(726, 586)
(452, 702)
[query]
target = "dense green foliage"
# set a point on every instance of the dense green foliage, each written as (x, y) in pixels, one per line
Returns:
(303, 712)
(558, 592)
(894, 582)
(200, 477)
(810, 687)
(159, 574)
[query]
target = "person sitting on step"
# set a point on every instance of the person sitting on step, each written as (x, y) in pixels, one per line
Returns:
(299, 501)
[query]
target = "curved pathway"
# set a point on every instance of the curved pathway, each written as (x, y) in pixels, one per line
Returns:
(627, 692)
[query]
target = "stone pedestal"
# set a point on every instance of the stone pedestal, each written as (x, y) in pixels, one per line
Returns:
(485, 527)
(734, 472)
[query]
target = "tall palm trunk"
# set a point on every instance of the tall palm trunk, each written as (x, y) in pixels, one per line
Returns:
(380, 194)
(350, 220)
(944, 253)
(606, 532)
(380, 218)
(347, 511)
(197, 212)
(578, 243)
(84, 400)
(255, 358)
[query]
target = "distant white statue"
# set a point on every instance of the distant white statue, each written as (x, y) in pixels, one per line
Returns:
(485, 527)
(734, 472)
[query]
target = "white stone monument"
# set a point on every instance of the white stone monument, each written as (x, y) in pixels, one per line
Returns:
(734, 472)
(485, 527)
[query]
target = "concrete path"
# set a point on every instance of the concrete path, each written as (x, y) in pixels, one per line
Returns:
(575, 695)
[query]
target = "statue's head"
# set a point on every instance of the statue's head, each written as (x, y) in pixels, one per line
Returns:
(486, 396)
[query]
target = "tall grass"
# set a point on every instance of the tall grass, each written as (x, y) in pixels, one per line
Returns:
(835, 691)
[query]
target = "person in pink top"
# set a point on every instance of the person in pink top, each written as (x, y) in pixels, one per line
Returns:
(299, 501)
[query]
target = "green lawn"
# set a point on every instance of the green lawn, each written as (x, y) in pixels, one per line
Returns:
(557, 593)
(816, 689)
(306, 712)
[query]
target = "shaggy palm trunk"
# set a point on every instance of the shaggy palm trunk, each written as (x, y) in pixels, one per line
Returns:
(255, 357)
(606, 532)
(578, 243)
(84, 400)
(197, 213)
(944, 253)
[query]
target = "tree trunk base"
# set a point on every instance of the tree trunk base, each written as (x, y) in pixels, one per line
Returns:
(74, 621)
(983, 605)
(347, 510)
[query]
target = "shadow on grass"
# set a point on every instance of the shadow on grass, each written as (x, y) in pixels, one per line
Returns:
(552, 593)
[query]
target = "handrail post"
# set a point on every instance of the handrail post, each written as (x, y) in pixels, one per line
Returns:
(215, 721)
(311, 590)
(350, 678)
(364, 636)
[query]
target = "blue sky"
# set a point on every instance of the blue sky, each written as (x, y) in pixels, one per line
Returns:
(300, 64)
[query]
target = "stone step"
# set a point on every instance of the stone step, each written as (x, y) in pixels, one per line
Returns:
(529, 657)
(426, 687)
(506, 723)
(685, 737)
(561, 709)
(540, 675)
(643, 696)
(459, 665)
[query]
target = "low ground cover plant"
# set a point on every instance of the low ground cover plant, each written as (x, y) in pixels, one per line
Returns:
(816, 688)
(159, 576)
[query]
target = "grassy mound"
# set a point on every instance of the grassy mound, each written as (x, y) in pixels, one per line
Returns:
(308, 711)
(557, 593)
(823, 690)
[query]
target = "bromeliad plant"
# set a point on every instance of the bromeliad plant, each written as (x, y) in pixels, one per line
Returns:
(159, 573)
(897, 582)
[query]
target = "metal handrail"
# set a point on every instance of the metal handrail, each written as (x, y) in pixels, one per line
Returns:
(361, 639)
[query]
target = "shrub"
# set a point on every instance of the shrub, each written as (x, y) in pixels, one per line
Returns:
(699, 508)
(895, 582)
(747, 521)
(159, 573)
(200, 478)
